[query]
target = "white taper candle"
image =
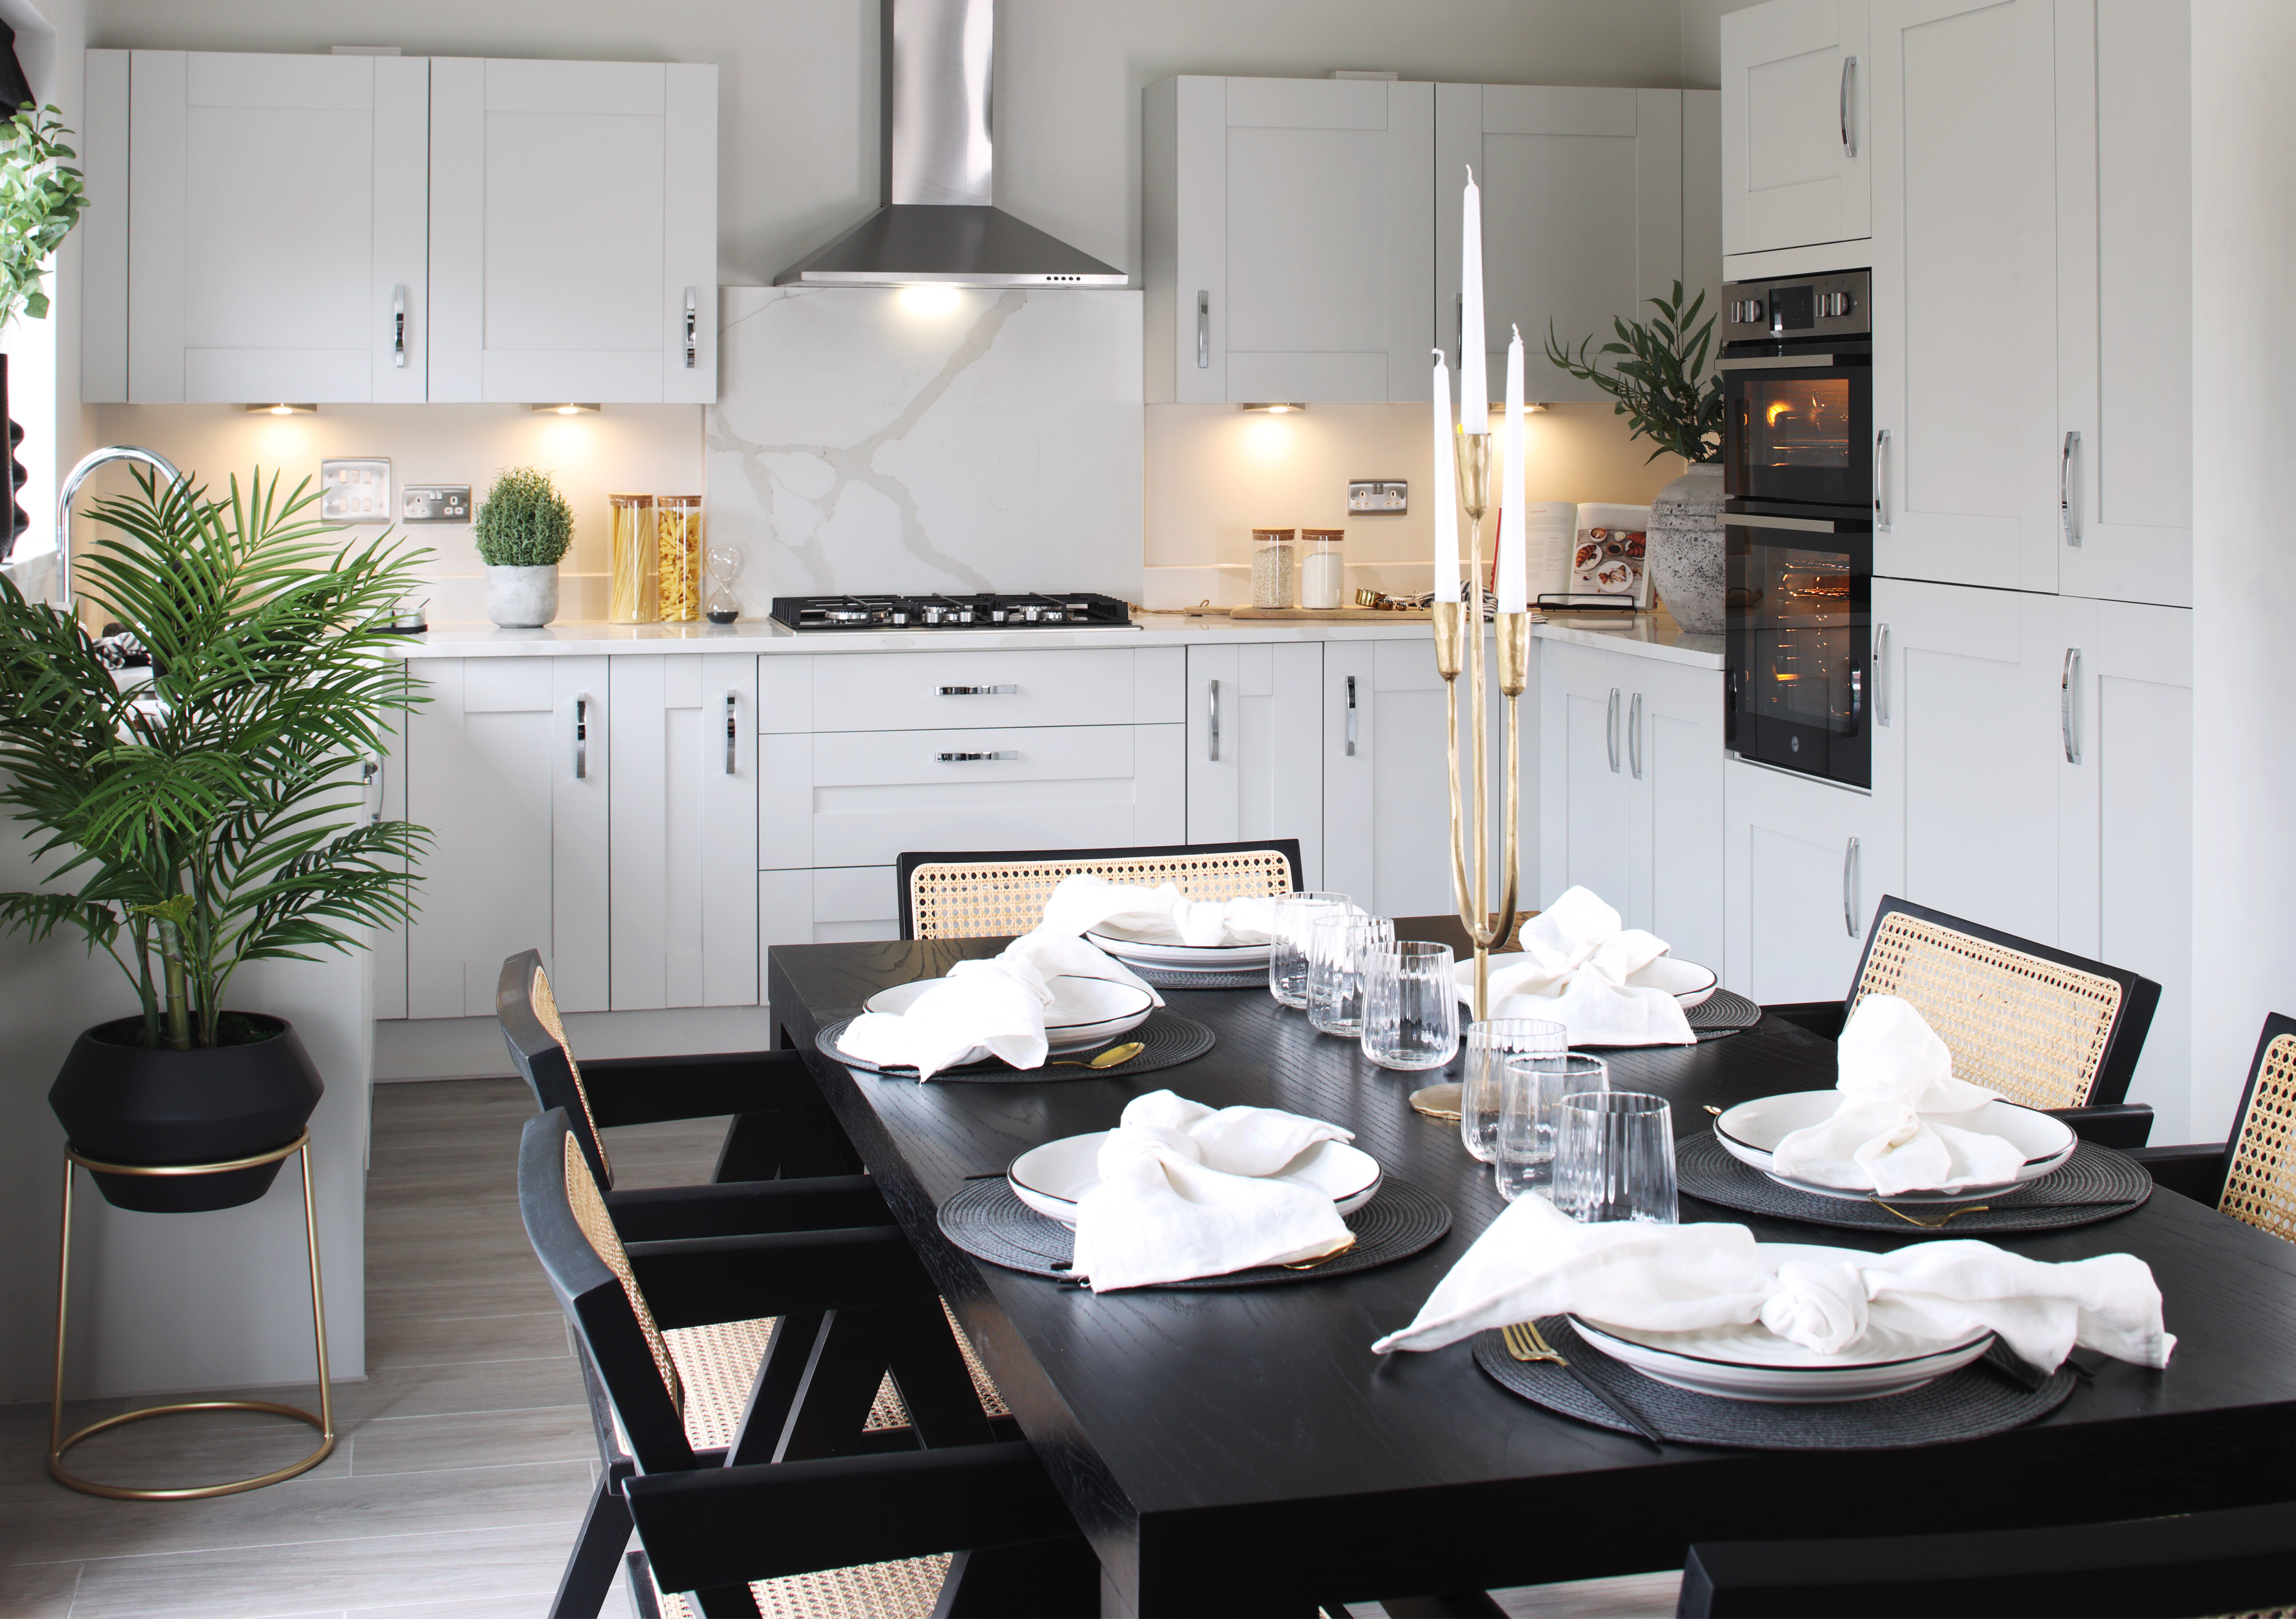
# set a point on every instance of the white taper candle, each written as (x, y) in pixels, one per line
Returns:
(1513, 570)
(1474, 389)
(1446, 490)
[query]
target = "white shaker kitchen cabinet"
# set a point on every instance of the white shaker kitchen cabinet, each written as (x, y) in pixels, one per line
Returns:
(507, 766)
(1967, 751)
(1256, 747)
(2124, 322)
(1965, 292)
(1796, 147)
(685, 845)
(2124, 718)
(1586, 794)
(1582, 216)
(1805, 863)
(1286, 224)
(274, 238)
(574, 247)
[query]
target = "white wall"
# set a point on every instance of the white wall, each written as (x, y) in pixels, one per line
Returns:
(2243, 658)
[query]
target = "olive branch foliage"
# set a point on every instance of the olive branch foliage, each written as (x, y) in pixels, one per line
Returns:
(1663, 386)
(40, 201)
(215, 815)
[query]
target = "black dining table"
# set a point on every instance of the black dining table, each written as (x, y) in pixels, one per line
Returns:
(1242, 1451)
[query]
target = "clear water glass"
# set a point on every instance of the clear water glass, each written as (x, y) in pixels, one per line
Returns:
(1489, 1043)
(1287, 956)
(1614, 1157)
(1531, 1088)
(1338, 944)
(1411, 1007)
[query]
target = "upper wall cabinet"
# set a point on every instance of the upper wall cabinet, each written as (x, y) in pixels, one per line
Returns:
(387, 230)
(1287, 223)
(1795, 117)
(574, 243)
(1582, 214)
(273, 238)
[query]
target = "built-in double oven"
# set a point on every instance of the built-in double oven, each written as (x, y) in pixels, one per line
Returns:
(1798, 472)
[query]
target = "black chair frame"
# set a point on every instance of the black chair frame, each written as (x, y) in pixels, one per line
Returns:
(1289, 848)
(2198, 1172)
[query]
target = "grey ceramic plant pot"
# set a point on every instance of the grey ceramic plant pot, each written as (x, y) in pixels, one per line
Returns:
(1685, 548)
(522, 598)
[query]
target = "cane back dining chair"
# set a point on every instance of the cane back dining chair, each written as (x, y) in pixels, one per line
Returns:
(2252, 1176)
(990, 894)
(785, 1496)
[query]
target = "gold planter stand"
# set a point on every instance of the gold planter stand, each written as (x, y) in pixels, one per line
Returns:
(324, 1421)
(1455, 635)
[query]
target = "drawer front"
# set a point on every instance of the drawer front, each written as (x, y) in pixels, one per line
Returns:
(863, 798)
(944, 691)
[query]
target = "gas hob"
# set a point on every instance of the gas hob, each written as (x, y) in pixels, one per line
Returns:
(1050, 611)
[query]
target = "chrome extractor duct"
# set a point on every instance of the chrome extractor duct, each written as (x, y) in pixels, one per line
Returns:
(938, 225)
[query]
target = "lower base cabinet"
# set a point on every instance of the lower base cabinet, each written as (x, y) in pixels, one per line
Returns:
(1804, 864)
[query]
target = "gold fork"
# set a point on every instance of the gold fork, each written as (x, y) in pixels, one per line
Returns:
(1525, 1341)
(1928, 1225)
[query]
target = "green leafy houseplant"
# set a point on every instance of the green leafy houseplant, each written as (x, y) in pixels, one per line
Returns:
(524, 523)
(40, 201)
(213, 816)
(1662, 387)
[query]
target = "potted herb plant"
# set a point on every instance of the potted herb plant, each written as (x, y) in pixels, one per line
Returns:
(209, 817)
(1668, 394)
(40, 201)
(521, 531)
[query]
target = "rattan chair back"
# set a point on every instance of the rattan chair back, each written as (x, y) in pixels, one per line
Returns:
(538, 1048)
(993, 893)
(2042, 1027)
(2260, 1162)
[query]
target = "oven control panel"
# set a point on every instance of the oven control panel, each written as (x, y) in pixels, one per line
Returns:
(1798, 307)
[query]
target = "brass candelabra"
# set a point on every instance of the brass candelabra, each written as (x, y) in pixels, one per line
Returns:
(1459, 644)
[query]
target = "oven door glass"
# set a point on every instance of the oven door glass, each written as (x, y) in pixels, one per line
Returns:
(1800, 435)
(1801, 618)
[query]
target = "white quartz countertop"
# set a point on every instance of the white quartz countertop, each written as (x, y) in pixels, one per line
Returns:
(1651, 635)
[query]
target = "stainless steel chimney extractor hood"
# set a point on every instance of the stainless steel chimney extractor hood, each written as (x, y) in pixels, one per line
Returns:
(938, 225)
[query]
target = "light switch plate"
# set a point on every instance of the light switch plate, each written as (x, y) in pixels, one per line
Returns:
(355, 491)
(435, 503)
(1378, 496)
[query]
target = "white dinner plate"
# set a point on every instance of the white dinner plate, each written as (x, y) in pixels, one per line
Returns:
(1751, 1362)
(1750, 1130)
(1050, 1179)
(1199, 958)
(1687, 982)
(1084, 1012)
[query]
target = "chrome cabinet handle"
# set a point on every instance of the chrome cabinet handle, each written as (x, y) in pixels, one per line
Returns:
(1880, 675)
(1881, 488)
(1635, 736)
(978, 691)
(730, 733)
(972, 758)
(398, 327)
(581, 737)
(2065, 704)
(1351, 716)
(1848, 894)
(1849, 144)
(1610, 729)
(1211, 703)
(2065, 487)
(692, 327)
(1203, 331)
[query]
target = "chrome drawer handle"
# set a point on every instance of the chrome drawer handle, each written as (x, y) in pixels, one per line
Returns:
(1880, 675)
(2065, 704)
(730, 733)
(1635, 736)
(1211, 701)
(398, 327)
(1848, 141)
(1610, 730)
(979, 691)
(2064, 489)
(1881, 488)
(971, 758)
(581, 737)
(1203, 331)
(1849, 895)
(1351, 716)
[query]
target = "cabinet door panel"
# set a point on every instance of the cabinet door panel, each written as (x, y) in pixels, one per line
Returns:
(1585, 787)
(1267, 779)
(1965, 281)
(1677, 892)
(1798, 898)
(1794, 74)
(1582, 212)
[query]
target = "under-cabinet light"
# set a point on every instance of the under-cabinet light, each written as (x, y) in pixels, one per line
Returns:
(1278, 409)
(281, 410)
(569, 409)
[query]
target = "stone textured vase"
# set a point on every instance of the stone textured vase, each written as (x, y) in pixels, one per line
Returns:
(1685, 549)
(522, 598)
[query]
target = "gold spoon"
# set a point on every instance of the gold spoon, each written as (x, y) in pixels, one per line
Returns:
(1109, 1058)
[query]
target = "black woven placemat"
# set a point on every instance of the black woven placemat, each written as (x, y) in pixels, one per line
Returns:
(1724, 1012)
(1164, 978)
(988, 1222)
(2096, 1183)
(1171, 1040)
(1966, 1404)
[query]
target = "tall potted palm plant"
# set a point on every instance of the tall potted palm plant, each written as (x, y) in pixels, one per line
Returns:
(205, 817)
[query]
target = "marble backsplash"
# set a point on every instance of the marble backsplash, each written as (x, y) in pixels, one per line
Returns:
(927, 439)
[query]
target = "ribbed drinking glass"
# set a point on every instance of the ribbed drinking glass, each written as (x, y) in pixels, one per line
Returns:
(1614, 1157)
(1489, 1043)
(1287, 955)
(1531, 1089)
(1411, 1007)
(1340, 945)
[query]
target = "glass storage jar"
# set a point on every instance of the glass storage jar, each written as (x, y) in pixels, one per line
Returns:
(1322, 573)
(1272, 584)
(678, 519)
(633, 552)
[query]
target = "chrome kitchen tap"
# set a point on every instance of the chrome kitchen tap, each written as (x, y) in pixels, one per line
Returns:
(77, 476)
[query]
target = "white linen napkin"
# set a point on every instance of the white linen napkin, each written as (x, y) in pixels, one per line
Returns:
(1572, 970)
(1534, 1260)
(1156, 916)
(1887, 1134)
(981, 1009)
(1182, 1193)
